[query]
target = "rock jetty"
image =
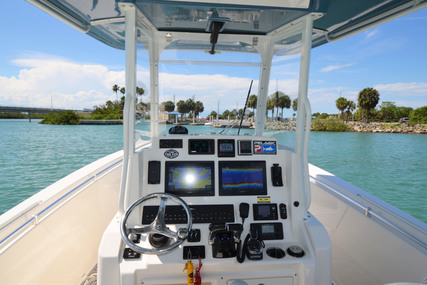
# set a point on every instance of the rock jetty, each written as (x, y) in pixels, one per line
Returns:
(403, 128)
(372, 127)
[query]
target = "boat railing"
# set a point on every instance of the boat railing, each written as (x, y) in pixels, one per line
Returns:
(369, 212)
(30, 216)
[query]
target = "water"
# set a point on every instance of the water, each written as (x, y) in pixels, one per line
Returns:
(390, 166)
(33, 156)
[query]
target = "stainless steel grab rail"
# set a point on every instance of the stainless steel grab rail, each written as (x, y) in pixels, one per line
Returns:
(369, 212)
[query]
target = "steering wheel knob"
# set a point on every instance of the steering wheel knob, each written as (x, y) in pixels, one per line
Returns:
(182, 233)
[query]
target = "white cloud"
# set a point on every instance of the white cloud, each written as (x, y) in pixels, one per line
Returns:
(72, 85)
(77, 86)
(335, 67)
(203, 82)
(404, 88)
(408, 94)
(371, 33)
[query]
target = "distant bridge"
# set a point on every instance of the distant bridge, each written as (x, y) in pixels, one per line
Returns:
(30, 110)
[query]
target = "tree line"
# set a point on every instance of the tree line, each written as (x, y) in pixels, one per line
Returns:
(277, 100)
(387, 111)
(113, 110)
(365, 109)
(190, 107)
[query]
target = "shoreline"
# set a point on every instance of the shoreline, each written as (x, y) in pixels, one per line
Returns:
(360, 127)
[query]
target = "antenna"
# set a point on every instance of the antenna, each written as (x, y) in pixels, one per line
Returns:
(217, 114)
(244, 108)
(194, 110)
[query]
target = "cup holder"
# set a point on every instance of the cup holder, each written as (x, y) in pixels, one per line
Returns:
(275, 252)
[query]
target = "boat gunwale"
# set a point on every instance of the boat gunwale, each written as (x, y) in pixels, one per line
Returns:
(79, 177)
(369, 212)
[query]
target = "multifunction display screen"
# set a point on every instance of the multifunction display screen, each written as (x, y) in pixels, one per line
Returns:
(184, 178)
(201, 146)
(226, 148)
(242, 178)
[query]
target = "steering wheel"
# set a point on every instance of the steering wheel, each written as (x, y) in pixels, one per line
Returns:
(158, 226)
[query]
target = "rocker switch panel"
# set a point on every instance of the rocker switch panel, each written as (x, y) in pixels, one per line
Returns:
(283, 211)
(194, 235)
(276, 175)
(130, 254)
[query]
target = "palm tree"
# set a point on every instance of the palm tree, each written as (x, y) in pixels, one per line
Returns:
(225, 114)
(368, 99)
(341, 104)
(284, 102)
(109, 104)
(115, 89)
(122, 102)
(213, 114)
(351, 106)
(279, 100)
(191, 105)
(145, 106)
(252, 102)
(167, 106)
(270, 106)
(275, 97)
(294, 106)
(182, 107)
(198, 108)
(140, 91)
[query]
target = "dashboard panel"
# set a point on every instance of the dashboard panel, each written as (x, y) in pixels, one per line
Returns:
(237, 190)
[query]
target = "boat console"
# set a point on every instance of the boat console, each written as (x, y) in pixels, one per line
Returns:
(226, 203)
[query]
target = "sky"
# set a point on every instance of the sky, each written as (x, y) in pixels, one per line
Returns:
(44, 63)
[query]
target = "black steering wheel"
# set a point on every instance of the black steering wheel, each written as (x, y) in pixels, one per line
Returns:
(158, 226)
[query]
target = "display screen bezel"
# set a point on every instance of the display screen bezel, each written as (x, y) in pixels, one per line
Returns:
(192, 191)
(238, 191)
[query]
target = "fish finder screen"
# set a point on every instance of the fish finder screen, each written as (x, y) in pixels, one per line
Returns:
(190, 178)
(242, 178)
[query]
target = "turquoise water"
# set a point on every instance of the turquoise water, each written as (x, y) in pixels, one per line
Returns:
(33, 156)
(392, 167)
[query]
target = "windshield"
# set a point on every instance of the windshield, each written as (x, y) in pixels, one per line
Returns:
(212, 93)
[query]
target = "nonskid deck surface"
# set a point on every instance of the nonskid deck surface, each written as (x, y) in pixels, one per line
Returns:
(92, 277)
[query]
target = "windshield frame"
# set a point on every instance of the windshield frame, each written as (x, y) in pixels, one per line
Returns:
(267, 47)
